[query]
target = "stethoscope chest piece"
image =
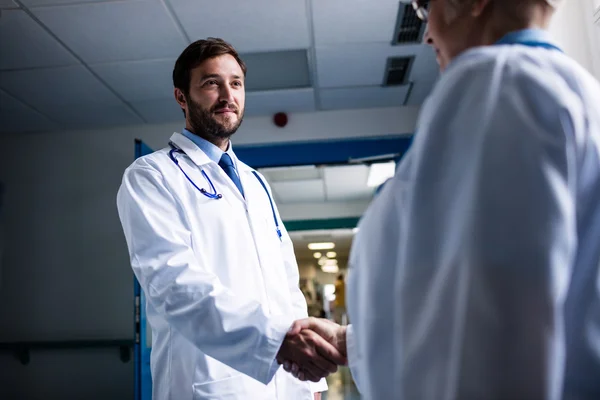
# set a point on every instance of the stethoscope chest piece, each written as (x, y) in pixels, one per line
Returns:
(215, 196)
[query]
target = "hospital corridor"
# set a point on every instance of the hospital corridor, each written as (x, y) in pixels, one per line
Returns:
(300, 200)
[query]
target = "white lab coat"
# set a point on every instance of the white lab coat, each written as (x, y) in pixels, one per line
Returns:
(474, 274)
(221, 288)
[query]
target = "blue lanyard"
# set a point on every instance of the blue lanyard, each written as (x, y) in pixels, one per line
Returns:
(531, 38)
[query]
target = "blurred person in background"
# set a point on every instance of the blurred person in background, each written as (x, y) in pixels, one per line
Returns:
(339, 304)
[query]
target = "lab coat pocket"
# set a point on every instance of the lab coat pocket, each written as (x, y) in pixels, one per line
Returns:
(230, 388)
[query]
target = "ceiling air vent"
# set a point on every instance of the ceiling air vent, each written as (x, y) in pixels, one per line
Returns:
(397, 70)
(409, 28)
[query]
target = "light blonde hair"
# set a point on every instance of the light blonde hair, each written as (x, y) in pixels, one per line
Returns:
(515, 10)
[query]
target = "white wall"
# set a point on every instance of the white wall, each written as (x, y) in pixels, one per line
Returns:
(66, 272)
(573, 27)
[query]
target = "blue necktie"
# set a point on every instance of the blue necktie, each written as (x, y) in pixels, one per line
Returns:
(227, 164)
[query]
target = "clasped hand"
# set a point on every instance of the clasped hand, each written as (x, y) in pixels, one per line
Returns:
(313, 348)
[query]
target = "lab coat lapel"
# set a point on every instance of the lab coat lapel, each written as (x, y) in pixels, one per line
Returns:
(191, 150)
(200, 158)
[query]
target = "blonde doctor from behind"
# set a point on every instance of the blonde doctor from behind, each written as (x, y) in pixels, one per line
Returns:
(211, 254)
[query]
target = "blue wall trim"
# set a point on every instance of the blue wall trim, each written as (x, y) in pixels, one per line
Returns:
(321, 152)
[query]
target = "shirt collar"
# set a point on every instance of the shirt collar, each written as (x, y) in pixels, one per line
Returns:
(213, 152)
(538, 36)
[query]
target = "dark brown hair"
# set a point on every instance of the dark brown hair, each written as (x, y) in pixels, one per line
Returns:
(195, 54)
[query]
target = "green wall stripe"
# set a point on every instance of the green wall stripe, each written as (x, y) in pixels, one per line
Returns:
(312, 224)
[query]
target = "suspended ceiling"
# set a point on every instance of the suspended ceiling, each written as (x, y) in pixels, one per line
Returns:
(71, 64)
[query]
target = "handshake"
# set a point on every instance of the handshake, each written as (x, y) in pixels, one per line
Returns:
(313, 348)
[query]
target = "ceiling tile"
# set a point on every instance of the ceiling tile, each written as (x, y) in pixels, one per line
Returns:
(29, 45)
(139, 80)
(354, 21)
(250, 26)
(296, 173)
(357, 64)
(347, 183)
(277, 70)
(271, 102)
(160, 111)
(37, 3)
(57, 86)
(363, 97)
(83, 116)
(419, 92)
(299, 191)
(15, 117)
(425, 66)
(115, 31)
(7, 5)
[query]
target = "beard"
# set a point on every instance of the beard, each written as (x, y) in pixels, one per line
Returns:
(202, 120)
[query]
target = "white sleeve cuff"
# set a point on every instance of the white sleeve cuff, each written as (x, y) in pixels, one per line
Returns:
(276, 330)
(317, 387)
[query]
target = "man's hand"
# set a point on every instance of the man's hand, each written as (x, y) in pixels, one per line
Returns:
(318, 396)
(327, 330)
(315, 356)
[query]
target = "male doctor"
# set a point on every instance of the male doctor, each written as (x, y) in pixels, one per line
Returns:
(475, 272)
(212, 255)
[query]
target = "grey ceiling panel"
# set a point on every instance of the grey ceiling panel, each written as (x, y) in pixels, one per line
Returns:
(57, 86)
(271, 102)
(251, 26)
(7, 4)
(86, 116)
(425, 66)
(16, 117)
(277, 70)
(354, 21)
(363, 97)
(419, 92)
(115, 31)
(357, 64)
(139, 80)
(24, 44)
(38, 3)
(160, 111)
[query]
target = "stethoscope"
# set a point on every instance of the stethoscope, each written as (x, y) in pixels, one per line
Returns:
(214, 194)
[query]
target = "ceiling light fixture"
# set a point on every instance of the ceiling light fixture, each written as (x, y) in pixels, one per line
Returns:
(331, 254)
(317, 255)
(321, 246)
(330, 269)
